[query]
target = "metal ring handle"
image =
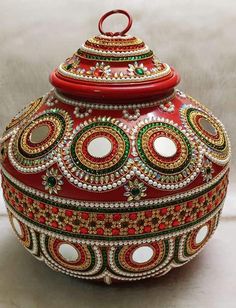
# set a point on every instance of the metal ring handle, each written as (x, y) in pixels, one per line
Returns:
(111, 13)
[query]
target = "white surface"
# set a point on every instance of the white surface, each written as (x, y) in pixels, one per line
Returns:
(208, 281)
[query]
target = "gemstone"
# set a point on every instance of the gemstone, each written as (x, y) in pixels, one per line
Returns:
(51, 181)
(139, 71)
(98, 72)
(135, 191)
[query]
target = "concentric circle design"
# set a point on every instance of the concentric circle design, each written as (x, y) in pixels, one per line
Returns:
(210, 132)
(26, 236)
(34, 146)
(24, 114)
(114, 158)
(140, 259)
(172, 156)
(73, 258)
(97, 151)
(194, 241)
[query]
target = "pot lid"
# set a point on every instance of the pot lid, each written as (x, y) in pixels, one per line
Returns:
(111, 65)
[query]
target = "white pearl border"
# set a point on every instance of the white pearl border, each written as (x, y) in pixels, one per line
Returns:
(114, 205)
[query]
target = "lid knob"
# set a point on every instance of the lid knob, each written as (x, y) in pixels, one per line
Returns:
(115, 33)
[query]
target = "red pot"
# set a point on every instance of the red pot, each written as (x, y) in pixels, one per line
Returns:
(114, 174)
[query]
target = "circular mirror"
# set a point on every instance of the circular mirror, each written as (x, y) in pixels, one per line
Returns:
(99, 147)
(207, 126)
(39, 133)
(201, 235)
(142, 254)
(165, 147)
(68, 252)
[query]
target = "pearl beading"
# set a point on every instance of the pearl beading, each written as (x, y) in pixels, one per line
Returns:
(100, 106)
(115, 205)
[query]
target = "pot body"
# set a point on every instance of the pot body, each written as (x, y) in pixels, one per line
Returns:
(114, 192)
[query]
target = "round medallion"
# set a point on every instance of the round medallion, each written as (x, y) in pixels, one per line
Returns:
(74, 258)
(142, 254)
(34, 146)
(140, 259)
(24, 114)
(173, 158)
(210, 132)
(96, 156)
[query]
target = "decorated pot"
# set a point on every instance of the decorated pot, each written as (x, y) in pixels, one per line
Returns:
(114, 175)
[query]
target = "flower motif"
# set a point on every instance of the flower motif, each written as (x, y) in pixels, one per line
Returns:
(82, 112)
(52, 181)
(137, 69)
(100, 70)
(135, 190)
(72, 63)
(207, 171)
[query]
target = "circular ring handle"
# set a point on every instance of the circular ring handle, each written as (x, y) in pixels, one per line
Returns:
(111, 13)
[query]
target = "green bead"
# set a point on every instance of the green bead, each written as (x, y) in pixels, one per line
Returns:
(135, 191)
(139, 71)
(51, 181)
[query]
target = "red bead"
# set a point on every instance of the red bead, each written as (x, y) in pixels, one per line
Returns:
(30, 201)
(55, 210)
(162, 226)
(163, 211)
(31, 215)
(68, 228)
(133, 216)
(147, 229)
(190, 204)
(69, 213)
(209, 207)
(175, 223)
(210, 194)
(131, 231)
(188, 219)
(83, 230)
(148, 214)
(199, 214)
(116, 217)
(100, 231)
(201, 199)
(42, 206)
(115, 231)
(54, 224)
(85, 215)
(101, 216)
(177, 208)
(20, 208)
(20, 195)
(42, 220)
